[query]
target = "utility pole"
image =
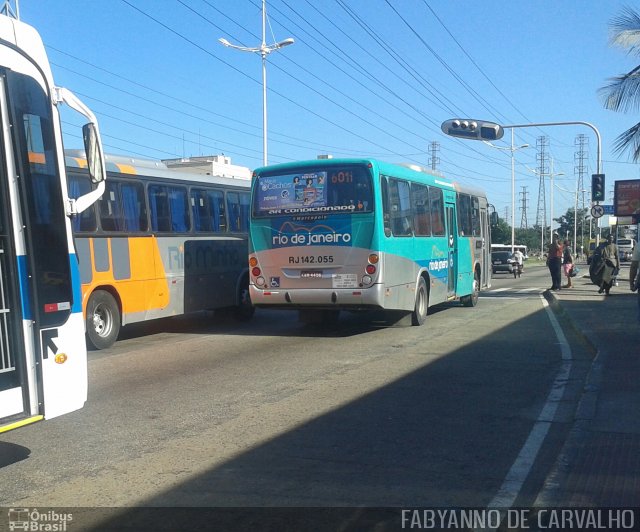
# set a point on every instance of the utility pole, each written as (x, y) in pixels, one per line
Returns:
(434, 160)
(523, 208)
(581, 157)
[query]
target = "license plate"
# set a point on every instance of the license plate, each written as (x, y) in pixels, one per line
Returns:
(311, 275)
(497, 262)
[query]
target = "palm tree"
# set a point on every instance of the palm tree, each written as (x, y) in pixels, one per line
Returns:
(623, 92)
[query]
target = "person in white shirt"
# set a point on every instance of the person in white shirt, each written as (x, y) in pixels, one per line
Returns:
(519, 258)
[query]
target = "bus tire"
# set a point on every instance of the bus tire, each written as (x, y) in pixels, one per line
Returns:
(419, 314)
(244, 310)
(103, 320)
(472, 299)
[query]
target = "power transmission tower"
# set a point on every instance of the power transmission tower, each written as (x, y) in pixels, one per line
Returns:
(434, 160)
(523, 208)
(9, 11)
(542, 157)
(581, 156)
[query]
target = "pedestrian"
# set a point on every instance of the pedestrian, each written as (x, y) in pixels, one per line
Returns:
(567, 263)
(610, 265)
(554, 262)
(518, 257)
(634, 275)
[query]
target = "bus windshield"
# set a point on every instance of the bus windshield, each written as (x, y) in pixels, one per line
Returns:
(327, 190)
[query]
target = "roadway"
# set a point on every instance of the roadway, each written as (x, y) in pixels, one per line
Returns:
(205, 411)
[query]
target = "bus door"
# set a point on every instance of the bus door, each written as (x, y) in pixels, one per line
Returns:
(14, 389)
(486, 255)
(452, 244)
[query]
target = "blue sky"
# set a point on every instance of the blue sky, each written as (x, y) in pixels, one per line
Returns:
(364, 78)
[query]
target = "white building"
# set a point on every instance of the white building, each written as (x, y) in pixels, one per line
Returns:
(219, 165)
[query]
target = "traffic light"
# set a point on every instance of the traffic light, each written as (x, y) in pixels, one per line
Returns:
(472, 129)
(597, 187)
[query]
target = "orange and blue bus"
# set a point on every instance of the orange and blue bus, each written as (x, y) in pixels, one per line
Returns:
(160, 242)
(43, 356)
(359, 234)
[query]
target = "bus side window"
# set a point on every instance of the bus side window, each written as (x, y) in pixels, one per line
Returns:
(421, 215)
(133, 207)
(437, 211)
(400, 208)
(200, 210)
(159, 205)
(386, 209)
(463, 205)
(233, 211)
(179, 207)
(86, 220)
(218, 210)
(111, 208)
(245, 201)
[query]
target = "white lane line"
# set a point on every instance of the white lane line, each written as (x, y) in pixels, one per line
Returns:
(521, 468)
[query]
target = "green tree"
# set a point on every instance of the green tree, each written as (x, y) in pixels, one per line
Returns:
(566, 223)
(501, 233)
(623, 92)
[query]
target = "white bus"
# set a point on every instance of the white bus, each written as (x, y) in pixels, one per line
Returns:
(507, 247)
(43, 356)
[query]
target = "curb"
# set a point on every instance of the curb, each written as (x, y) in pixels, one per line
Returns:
(549, 494)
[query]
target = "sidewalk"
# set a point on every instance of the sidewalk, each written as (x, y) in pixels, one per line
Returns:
(599, 465)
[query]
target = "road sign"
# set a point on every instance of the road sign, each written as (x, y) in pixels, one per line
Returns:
(597, 211)
(608, 209)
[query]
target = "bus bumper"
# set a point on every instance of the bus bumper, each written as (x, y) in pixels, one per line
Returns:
(334, 298)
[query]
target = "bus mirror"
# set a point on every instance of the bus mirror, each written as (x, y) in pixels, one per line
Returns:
(95, 162)
(494, 219)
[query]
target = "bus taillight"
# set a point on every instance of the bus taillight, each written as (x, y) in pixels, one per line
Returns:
(370, 269)
(373, 258)
(253, 262)
(255, 271)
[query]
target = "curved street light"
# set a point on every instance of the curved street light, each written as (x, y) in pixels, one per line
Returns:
(512, 149)
(263, 50)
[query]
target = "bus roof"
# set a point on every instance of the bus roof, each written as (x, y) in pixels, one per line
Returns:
(150, 168)
(27, 39)
(399, 169)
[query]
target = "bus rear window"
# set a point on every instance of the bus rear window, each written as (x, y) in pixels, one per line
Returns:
(323, 190)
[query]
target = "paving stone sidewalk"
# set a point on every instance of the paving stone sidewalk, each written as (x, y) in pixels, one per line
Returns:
(600, 463)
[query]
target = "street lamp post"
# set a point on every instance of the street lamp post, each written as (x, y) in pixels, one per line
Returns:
(551, 176)
(512, 149)
(264, 51)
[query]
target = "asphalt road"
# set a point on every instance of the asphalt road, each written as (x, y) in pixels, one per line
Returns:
(205, 411)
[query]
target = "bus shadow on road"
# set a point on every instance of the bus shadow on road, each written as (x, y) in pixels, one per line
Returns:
(444, 434)
(272, 323)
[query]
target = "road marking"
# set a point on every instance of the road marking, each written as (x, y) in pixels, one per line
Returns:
(521, 468)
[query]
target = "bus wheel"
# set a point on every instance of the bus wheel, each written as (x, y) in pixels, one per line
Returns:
(103, 320)
(245, 309)
(472, 299)
(419, 315)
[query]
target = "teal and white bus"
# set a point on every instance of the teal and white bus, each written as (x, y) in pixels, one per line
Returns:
(361, 234)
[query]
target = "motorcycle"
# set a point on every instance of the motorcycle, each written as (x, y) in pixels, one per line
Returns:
(518, 267)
